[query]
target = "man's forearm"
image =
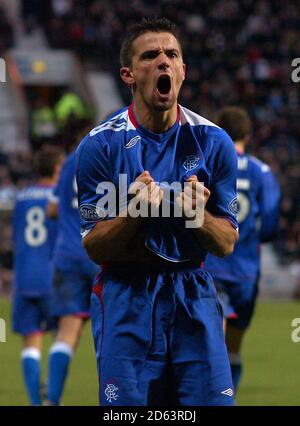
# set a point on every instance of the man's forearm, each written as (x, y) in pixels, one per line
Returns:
(118, 240)
(52, 210)
(217, 235)
(109, 239)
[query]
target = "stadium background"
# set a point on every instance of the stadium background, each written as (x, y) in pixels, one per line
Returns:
(62, 73)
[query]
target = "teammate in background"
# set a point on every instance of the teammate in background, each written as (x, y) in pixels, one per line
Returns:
(73, 278)
(34, 237)
(236, 277)
(157, 323)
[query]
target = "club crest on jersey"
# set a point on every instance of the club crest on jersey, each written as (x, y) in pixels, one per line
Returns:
(191, 162)
(88, 212)
(132, 142)
(111, 392)
(233, 206)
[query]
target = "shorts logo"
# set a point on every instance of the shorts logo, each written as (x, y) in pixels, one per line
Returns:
(110, 392)
(233, 206)
(132, 142)
(88, 212)
(228, 392)
(191, 162)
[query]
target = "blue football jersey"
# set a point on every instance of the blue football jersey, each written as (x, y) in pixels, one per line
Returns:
(192, 146)
(34, 237)
(69, 242)
(258, 216)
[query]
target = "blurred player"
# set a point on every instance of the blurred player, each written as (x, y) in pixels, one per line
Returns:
(236, 276)
(72, 283)
(34, 237)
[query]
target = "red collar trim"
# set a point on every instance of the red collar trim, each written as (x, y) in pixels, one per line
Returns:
(133, 119)
(178, 114)
(131, 116)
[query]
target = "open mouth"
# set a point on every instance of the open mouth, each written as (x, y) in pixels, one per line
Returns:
(164, 84)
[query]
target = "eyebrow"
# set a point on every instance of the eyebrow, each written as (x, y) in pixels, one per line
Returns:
(156, 52)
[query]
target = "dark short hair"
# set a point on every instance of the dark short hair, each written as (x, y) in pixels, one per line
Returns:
(45, 160)
(235, 121)
(155, 25)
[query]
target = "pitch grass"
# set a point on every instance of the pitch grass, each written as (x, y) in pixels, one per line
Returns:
(271, 360)
(81, 386)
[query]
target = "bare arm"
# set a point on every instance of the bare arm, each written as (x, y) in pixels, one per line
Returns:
(217, 235)
(52, 210)
(110, 240)
(119, 239)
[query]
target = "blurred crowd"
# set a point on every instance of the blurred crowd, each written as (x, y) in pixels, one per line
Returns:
(6, 32)
(237, 52)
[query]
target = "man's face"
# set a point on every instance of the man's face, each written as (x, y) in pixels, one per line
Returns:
(157, 70)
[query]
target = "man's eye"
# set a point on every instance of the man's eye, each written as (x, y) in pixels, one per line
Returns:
(150, 55)
(173, 55)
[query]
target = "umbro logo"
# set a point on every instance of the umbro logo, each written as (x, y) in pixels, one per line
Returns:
(228, 392)
(133, 142)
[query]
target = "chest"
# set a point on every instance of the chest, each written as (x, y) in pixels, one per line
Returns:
(173, 158)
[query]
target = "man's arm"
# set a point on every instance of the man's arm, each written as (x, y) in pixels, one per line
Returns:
(216, 234)
(108, 240)
(269, 202)
(52, 210)
(118, 239)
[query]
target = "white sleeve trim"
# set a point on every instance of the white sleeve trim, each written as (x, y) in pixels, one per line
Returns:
(84, 233)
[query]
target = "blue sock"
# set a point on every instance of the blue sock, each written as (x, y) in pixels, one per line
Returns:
(236, 370)
(59, 359)
(31, 372)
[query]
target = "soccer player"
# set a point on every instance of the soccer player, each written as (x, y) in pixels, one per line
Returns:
(73, 278)
(236, 276)
(156, 319)
(34, 237)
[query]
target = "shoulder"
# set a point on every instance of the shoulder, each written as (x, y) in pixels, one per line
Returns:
(258, 164)
(70, 158)
(193, 119)
(23, 192)
(34, 192)
(206, 129)
(69, 161)
(27, 192)
(101, 137)
(115, 123)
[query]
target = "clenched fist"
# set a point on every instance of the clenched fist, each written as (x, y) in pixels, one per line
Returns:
(193, 200)
(146, 195)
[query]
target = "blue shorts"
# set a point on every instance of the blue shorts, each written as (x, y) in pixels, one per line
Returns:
(31, 315)
(72, 285)
(238, 301)
(159, 339)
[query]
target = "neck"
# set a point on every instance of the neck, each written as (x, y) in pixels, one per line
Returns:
(154, 120)
(47, 181)
(239, 147)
